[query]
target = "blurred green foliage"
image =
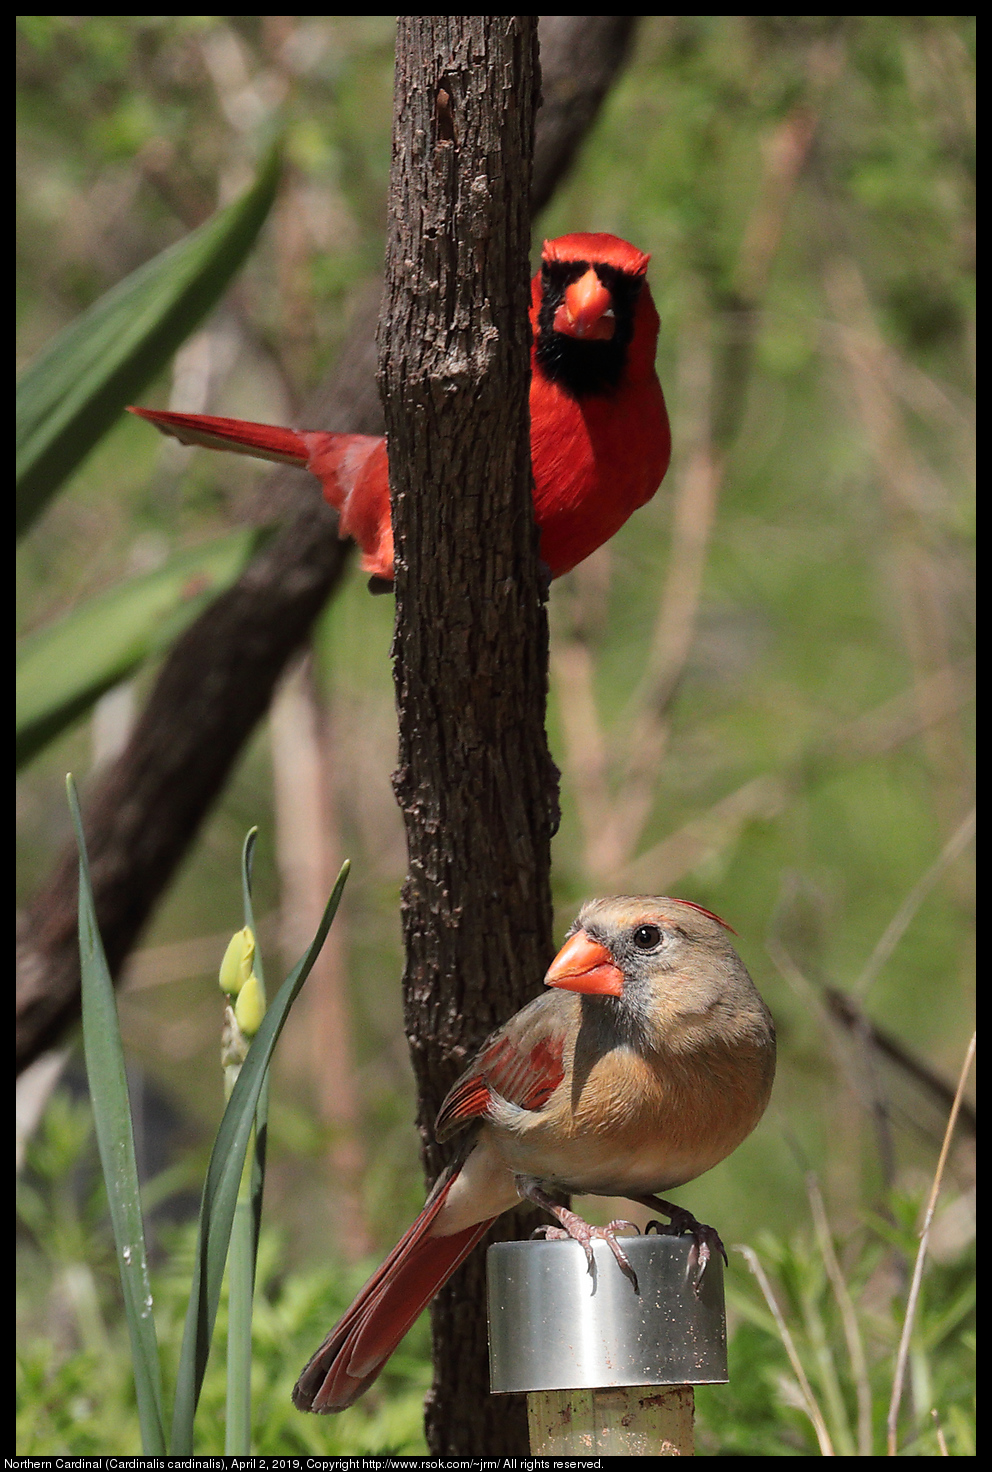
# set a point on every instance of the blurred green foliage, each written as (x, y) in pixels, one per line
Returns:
(761, 1412)
(66, 666)
(806, 188)
(75, 1388)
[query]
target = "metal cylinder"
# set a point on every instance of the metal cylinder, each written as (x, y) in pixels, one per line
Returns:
(554, 1326)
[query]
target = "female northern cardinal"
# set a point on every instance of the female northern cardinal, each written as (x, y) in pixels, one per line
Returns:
(600, 442)
(651, 1060)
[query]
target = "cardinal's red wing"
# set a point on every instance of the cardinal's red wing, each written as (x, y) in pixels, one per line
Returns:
(522, 1063)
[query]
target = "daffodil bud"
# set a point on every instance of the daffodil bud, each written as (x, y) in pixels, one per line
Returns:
(239, 958)
(249, 1009)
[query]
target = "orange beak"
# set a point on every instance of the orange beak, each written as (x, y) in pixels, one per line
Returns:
(583, 965)
(587, 310)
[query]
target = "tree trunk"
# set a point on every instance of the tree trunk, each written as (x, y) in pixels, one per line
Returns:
(475, 781)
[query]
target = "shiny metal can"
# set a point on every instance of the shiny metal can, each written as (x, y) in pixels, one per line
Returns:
(553, 1325)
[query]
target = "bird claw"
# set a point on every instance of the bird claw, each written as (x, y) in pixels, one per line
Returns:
(580, 1231)
(623, 1262)
(705, 1240)
(574, 1228)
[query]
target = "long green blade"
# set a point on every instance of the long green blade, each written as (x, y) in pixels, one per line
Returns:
(220, 1190)
(262, 1112)
(240, 1278)
(63, 670)
(115, 1137)
(77, 386)
(243, 1251)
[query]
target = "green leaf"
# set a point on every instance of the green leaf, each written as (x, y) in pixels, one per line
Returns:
(112, 1119)
(247, 862)
(240, 1291)
(243, 1251)
(77, 386)
(63, 670)
(220, 1190)
(257, 1184)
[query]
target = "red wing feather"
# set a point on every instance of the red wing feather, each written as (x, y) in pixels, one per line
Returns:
(526, 1077)
(466, 1101)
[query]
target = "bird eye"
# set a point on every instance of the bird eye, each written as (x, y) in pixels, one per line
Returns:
(646, 937)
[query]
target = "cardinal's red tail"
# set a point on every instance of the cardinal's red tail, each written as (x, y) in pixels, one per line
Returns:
(353, 470)
(355, 1351)
(264, 441)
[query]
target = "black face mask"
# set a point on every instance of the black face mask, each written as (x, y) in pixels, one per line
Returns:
(578, 366)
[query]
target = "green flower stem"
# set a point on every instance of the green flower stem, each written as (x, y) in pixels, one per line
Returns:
(243, 1250)
(240, 1291)
(221, 1187)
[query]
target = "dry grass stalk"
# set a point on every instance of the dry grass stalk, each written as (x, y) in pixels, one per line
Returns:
(809, 1400)
(849, 1318)
(914, 1288)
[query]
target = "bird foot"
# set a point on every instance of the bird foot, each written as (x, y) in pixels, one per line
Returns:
(573, 1226)
(705, 1240)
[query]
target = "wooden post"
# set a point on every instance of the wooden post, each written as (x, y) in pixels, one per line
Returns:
(632, 1421)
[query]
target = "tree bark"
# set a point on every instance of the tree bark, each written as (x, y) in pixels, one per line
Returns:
(475, 781)
(145, 812)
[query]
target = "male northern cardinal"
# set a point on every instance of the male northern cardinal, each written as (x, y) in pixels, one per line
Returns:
(600, 442)
(649, 1062)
